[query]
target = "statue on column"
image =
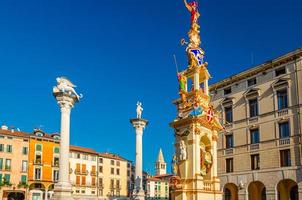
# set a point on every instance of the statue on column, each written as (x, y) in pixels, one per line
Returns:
(66, 86)
(139, 110)
(192, 7)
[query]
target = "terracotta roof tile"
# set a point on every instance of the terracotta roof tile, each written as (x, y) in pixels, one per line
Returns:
(82, 149)
(14, 133)
(112, 156)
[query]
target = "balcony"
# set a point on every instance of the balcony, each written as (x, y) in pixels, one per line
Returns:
(208, 185)
(118, 187)
(254, 146)
(101, 186)
(282, 112)
(38, 162)
(253, 120)
(228, 151)
(55, 164)
(93, 173)
(284, 141)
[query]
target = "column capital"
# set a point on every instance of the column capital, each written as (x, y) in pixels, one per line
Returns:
(139, 123)
(65, 100)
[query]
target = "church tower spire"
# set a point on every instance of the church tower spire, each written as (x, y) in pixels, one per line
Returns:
(160, 165)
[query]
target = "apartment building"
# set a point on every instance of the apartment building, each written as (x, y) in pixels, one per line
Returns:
(112, 176)
(43, 164)
(14, 149)
(259, 154)
(83, 172)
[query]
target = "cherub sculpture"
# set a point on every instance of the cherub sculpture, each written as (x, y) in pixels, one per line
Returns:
(65, 86)
(139, 110)
(183, 151)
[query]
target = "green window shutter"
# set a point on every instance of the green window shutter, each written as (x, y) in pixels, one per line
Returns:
(1, 163)
(7, 178)
(38, 147)
(57, 150)
(1, 178)
(23, 179)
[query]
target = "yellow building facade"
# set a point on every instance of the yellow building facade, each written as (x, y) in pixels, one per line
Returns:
(112, 176)
(43, 164)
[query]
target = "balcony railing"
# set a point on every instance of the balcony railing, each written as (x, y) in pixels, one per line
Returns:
(93, 173)
(284, 141)
(208, 185)
(254, 146)
(282, 112)
(55, 164)
(228, 151)
(38, 162)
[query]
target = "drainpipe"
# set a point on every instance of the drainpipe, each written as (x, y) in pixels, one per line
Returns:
(298, 99)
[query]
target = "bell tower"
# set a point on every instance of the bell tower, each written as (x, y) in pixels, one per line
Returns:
(196, 126)
(160, 165)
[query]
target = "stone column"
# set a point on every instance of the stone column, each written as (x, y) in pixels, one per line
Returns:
(206, 87)
(139, 125)
(196, 81)
(66, 100)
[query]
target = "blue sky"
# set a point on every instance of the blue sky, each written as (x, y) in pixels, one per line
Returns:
(118, 52)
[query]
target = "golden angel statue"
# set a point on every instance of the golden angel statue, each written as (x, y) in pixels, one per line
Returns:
(192, 7)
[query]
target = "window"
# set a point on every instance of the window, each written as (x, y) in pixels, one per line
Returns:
(252, 81)
(128, 172)
(83, 180)
(100, 160)
(23, 179)
(229, 165)
(24, 166)
(101, 169)
(85, 157)
(93, 158)
(25, 150)
(78, 156)
(37, 174)
(111, 183)
(55, 175)
(56, 150)
(78, 167)
(9, 148)
(1, 147)
(56, 161)
(254, 136)
(93, 168)
(83, 168)
(253, 105)
(255, 162)
(8, 163)
(6, 178)
(280, 71)
(100, 181)
(112, 170)
(112, 162)
(38, 147)
(78, 179)
(227, 91)
(229, 141)
(118, 184)
(228, 114)
(285, 160)
(38, 159)
(282, 99)
(118, 171)
(284, 130)
(93, 181)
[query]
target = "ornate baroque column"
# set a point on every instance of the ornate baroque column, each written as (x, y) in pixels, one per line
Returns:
(66, 98)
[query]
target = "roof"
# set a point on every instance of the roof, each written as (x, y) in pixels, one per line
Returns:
(82, 149)
(160, 157)
(14, 133)
(112, 156)
(256, 69)
(163, 176)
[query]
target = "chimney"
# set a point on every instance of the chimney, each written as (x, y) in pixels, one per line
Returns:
(4, 127)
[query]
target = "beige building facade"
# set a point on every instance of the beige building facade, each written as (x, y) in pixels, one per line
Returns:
(83, 172)
(259, 152)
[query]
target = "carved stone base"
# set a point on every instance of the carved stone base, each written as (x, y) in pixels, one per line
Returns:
(139, 195)
(62, 191)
